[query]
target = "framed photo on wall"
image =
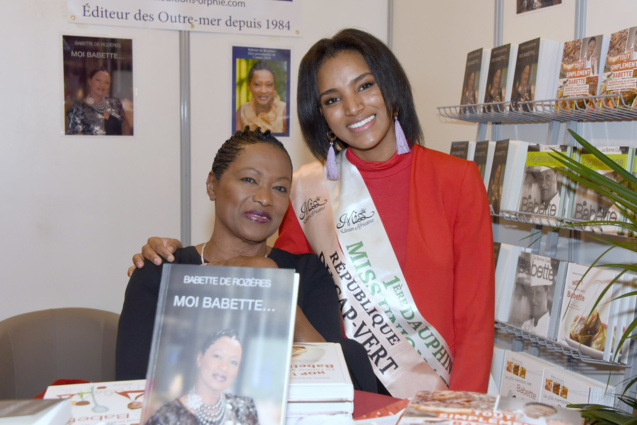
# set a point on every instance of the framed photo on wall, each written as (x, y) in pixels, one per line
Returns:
(261, 77)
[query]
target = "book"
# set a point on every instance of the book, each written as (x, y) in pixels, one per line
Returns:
(517, 410)
(116, 402)
(460, 149)
(505, 272)
(534, 76)
(497, 367)
(435, 406)
(562, 387)
(499, 77)
(35, 412)
(322, 407)
(585, 322)
(534, 289)
(222, 333)
(483, 157)
(507, 171)
(588, 205)
(318, 373)
(522, 376)
(619, 76)
(581, 63)
(475, 77)
(544, 192)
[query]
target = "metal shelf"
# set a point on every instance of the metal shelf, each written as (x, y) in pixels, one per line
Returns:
(553, 221)
(610, 107)
(554, 345)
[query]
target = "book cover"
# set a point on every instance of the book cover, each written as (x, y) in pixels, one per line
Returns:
(563, 387)
(434, 406)
(537, 413)
(499, 79)
(318, 372)
(534, 288)
(460, 149)
(35, 412)
(507, 172)
(505, 272)
(522, 376)
(584, 322)
(534, 76)
(483, 157)
(221, 344)
(323, 407)
(588, 205)
(496, 177)
(582, 62)
(620, 75)
(116, 403)
(474, 78)
(544, 192)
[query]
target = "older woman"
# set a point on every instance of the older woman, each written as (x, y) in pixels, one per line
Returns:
(98, 114)
(207, 403)
(250, 184)
(265, 109)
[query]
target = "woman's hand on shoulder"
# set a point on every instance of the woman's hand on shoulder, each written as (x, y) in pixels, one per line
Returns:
(154, 249)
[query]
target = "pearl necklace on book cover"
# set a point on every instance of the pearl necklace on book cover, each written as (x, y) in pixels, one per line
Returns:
(205, 413)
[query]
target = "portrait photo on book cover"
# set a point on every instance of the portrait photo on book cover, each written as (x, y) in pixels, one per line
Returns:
(98, 86)
(261, 95)
(221, 346)
(541, 191)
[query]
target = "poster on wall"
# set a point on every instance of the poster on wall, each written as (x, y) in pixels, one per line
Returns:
(257, 17)
(261, 77)
(98, 86)
(529, 5)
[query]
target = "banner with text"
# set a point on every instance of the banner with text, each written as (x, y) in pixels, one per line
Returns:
(259, 17)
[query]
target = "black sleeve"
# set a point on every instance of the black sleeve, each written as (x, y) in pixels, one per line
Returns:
(136, 322)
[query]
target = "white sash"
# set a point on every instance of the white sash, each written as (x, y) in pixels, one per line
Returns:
(378, 311)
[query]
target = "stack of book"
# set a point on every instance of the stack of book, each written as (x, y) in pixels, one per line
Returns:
(319, 382)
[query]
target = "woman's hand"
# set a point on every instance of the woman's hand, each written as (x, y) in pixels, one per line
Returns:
(154, 248)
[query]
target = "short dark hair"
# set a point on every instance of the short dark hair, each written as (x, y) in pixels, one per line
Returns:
(214, 337)
(389, 74)
(259, 66)
(232, 147)
(96, 70)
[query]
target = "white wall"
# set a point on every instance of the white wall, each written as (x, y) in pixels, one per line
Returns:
(75, 208)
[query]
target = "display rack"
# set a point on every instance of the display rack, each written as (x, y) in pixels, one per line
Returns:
(610, 107)
(554, 345)
(557, 222)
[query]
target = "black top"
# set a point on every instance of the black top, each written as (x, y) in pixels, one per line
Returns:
(317, 299)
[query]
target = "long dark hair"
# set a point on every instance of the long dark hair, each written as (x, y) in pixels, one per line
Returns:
(389, 75)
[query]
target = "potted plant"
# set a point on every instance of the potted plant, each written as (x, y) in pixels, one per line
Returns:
(624, 195)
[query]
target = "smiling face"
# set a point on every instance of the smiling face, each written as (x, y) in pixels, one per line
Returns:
(218, 367)
(262, 88)
(251, 196)
(354, 108)
(99, 85)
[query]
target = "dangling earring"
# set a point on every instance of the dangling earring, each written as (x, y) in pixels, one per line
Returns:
(332, 170)
(401, 141)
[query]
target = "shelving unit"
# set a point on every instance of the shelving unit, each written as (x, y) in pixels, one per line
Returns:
(557, 112)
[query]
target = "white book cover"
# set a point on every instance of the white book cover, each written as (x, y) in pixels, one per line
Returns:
(324, 407)
(35, 412)
(619, 69)
(497, 367)
(222, 339)
(115, 403)
(505, 272)
(544, 191)
(563, 387)
(534, 288)
(588, 205)
(318, 372)
(581, 65)
(585, 322)
(522, 376)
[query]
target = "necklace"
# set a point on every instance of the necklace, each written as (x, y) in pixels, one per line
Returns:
(205, 413)
(99, 107)
(203, 261)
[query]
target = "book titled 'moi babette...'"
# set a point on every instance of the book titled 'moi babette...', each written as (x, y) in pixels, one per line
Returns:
(187, 364)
